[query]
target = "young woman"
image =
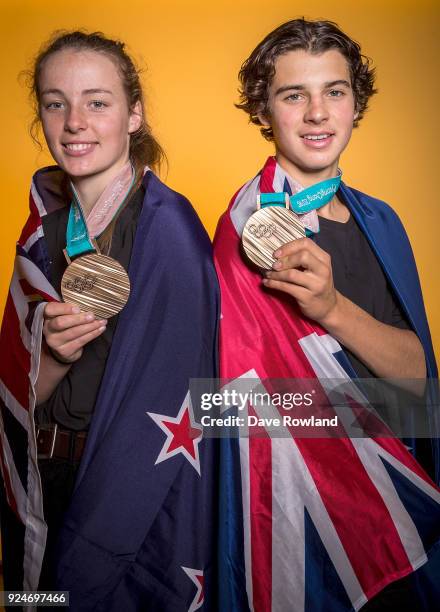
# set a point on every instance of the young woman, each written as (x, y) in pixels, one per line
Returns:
(103, 465)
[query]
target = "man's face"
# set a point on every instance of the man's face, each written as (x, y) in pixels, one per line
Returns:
(311, 112)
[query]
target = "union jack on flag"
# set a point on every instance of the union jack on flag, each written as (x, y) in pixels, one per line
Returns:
(20, 340)
(307, 524)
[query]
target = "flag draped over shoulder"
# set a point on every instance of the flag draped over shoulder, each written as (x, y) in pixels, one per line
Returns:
(140, 531)
(312, 524)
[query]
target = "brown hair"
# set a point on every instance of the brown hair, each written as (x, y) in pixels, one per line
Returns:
(144, 148)
(316, 37)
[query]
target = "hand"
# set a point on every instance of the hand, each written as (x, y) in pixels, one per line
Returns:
(66, 330)
(304, 271)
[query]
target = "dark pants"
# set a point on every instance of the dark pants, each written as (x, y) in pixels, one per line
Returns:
(58, 480)
(396, 597)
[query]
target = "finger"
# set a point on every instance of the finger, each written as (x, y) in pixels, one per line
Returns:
(296, 291)
(55, 309)
(290, 247)
(302, 259)
(70, 348)
(300, 245)
(297, 277)
(62, 322)
(58, 340)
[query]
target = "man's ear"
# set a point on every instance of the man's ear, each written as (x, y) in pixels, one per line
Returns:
(135, 120)
(356, 115)
(263, 120)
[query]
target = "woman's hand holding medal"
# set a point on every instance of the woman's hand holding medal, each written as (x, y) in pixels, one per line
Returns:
(67, 330)
(304, 271)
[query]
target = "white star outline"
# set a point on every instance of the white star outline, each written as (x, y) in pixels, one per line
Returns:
(164, 454)
(193, 574)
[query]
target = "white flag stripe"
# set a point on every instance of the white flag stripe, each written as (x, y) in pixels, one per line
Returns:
(17, 487)
(324, 363)
(246, 383)
(287, 462)
(38, 201)
(18, 411)
(288, 541)
(412, 476)
(367, 451)
(33, 238)
(246, 497)
(278, 179)
(28, 270)
(21, 306)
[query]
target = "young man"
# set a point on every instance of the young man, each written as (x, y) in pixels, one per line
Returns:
(319, 524)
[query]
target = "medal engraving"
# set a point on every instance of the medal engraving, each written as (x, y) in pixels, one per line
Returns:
(268, 229)
(261, 230)
(80, 283)
(96, 283)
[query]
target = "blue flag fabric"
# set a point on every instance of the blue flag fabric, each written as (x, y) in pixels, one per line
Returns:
(140, 531)
(389, 241)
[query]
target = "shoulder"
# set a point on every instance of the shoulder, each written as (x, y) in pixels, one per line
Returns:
(161, 196)
(370, 207)
(173, 212)
(368, 202)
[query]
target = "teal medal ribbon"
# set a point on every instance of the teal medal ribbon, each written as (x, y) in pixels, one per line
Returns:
(92, 281)
(315, 196)
(78, 241)
(310, 198)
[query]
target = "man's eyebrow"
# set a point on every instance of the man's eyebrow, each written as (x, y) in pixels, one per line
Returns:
(338, 82)
(300, 87)
(85, 92)
(284, 88)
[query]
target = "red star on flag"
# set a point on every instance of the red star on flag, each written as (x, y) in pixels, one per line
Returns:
(198, 579)
(183, 434)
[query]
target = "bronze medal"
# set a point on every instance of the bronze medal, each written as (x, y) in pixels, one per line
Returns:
(267, 230)
(96, 283)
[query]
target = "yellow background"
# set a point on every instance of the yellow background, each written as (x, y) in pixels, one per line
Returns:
(193, 51)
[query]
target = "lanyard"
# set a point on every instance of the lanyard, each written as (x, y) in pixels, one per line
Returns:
(78, 240)
(308, 199)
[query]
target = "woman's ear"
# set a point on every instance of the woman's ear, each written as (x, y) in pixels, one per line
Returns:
(135, 120)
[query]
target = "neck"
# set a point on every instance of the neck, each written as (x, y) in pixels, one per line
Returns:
(335, 210)
(303, 177)
(90, 188)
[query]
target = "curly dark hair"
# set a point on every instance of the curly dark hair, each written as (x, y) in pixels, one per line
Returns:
(316, 37)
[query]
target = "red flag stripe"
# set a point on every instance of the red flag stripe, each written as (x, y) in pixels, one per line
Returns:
(260, 476)
(353, 479)
(15, 360)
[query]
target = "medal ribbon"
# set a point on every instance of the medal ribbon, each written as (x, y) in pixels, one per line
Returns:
(306, 200)
(79, 229)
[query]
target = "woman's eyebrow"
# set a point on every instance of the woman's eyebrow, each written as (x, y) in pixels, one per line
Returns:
(52, 91)
(85, 92)
(97, 90)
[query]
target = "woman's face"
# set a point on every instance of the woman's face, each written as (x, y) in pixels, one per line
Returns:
(85, 115)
